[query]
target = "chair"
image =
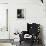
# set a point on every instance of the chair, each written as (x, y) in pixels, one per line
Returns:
(33, 30)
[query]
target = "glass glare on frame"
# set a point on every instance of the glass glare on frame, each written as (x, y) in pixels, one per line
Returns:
(20, 13)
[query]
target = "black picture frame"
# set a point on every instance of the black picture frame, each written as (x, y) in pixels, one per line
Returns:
(20, 13)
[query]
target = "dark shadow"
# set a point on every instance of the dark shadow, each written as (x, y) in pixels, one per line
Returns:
(41, 35)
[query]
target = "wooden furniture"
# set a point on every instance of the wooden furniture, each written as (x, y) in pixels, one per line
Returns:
(33, 30)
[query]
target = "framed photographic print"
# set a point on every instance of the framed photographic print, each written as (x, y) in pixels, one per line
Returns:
(21, 13)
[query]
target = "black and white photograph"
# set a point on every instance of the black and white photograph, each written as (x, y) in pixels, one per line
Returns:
(20, 13)
(22, 22)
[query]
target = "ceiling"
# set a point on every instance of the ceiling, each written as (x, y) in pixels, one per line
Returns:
(6, 1)
(3, 1)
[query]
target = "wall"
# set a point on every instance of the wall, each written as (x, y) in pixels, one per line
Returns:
(34, 12)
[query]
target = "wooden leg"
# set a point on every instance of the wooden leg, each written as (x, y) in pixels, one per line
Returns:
(20, 42)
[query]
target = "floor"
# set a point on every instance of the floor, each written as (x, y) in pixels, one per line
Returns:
(23, 44)
(27, 44)
(5, 44)
(18, 44)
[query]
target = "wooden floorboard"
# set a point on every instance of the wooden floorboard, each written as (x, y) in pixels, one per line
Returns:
(27, 44)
